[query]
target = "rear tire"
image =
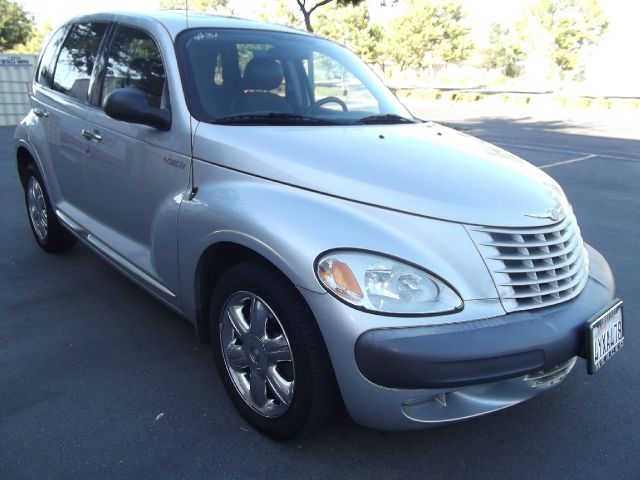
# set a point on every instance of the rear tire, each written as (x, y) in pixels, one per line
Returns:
(50, 234)
(270, 353)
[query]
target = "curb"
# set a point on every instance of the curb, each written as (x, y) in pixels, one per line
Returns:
(521, 99)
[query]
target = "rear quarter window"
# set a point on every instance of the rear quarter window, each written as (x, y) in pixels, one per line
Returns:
(45, 70)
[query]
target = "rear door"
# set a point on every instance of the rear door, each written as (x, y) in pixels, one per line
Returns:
(60, 105)
(41, 123)
(136, 174)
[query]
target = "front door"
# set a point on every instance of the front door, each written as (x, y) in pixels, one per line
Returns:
(136, 174)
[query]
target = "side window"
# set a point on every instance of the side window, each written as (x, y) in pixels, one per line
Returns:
(77, 59)
(332, 79)
(135, 61)
(45, 72)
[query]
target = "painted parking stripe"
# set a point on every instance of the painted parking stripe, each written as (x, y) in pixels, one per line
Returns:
(559, 147)
(558, 150)
(565, 162)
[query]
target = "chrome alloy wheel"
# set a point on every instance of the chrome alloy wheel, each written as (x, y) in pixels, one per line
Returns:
(37, 208)
(257, 354)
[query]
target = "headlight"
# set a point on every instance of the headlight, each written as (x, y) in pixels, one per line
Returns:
(383, 284)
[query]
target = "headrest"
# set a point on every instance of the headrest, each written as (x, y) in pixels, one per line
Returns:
(262, 73)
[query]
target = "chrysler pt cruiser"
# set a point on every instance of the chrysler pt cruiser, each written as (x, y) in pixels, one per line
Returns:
(264, 183)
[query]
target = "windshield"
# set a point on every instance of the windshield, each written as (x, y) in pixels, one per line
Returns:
(255, 77)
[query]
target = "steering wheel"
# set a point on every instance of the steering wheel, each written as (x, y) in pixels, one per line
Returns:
(323, 101)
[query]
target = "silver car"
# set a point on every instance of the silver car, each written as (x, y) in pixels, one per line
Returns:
(265, 184)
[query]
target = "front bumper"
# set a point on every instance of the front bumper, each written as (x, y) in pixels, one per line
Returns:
(481, 351)
(481, 361)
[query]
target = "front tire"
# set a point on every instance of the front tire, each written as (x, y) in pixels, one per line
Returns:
(50, 234)
(270, 353)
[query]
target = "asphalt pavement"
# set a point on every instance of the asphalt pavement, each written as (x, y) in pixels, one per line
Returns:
(99, 380)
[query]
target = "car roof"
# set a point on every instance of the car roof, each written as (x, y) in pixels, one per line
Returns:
(176, 21)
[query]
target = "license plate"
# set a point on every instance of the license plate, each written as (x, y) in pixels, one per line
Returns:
(605, 336)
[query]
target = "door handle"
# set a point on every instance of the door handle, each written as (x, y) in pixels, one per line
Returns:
(40, 112)
(91, 135)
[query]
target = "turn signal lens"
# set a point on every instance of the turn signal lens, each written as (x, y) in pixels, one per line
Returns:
(341, 279)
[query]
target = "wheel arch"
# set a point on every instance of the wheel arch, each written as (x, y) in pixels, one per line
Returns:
(213, 262)
(24, 158)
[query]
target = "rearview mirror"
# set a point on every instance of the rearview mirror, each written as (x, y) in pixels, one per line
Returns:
(132, 105)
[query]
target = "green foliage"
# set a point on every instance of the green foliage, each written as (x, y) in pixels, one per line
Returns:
(574, 25)
(350, 25)
(307, 7)
(505, 49)
(35, 42)
(198, 5)
(15, 25)
(275, 11)
(428, 33)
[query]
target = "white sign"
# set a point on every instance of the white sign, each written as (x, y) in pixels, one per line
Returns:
(15, 61)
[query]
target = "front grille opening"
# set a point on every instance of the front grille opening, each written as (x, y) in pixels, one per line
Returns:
(551, 376)
(534, 267)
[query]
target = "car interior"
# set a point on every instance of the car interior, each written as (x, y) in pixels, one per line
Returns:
(234, 78)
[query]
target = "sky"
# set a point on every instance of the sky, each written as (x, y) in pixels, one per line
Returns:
(480, 13)
(612, 54)
(50, 10)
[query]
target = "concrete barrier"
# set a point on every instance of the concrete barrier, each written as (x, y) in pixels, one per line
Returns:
(16, 75)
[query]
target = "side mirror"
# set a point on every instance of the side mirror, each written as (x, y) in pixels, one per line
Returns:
(132, 105)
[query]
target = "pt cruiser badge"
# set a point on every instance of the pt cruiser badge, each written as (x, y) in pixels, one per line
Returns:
(554, 215)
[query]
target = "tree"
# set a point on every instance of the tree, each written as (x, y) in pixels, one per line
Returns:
(350, 26)
(199, 5)
(574, 26)
(505, 49)
(35, 42)
(15, 25)
(275, 11)
(308, 7)
(429, 33)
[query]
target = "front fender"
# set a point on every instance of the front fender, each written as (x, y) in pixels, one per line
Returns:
(21, 139)
(31, 136)
(290, 227)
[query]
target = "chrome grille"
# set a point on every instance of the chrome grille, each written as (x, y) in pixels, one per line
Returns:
(534, 267)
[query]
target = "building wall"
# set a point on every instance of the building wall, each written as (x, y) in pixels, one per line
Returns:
(16, 74)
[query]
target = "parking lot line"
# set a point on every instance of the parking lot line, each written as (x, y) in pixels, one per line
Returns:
(565, 162)
(559, 150)
(496, 139)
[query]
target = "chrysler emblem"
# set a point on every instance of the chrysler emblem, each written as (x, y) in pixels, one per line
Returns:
(553, 215)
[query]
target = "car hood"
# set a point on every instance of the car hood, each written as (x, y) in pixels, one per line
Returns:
(423, 169)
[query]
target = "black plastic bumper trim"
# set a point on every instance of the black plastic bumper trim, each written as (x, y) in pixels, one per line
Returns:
(486, 350)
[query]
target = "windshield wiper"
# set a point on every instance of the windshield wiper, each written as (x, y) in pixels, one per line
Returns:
(389, 118)
(272, 118)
